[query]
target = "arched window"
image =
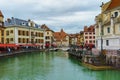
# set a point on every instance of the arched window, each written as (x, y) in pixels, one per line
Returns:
(115, 14)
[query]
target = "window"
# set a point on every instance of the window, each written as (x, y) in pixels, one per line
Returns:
(7, 33)
(2, 32)
(107, 42)
(47, 32)
(90, 41)
(23, 40)
(19, 32)
(90, 33)
(11, 39)
(7, 40)
(86, 33)
(32, 33)
(90, 37)
(93, 37)
(36, 34)
(108, 30)
(32, 40)
(115, 14)
(41, 40)
(41, 35)
(2, 40)
(27, 40)
(23, 33)
(11, 31)
(27, 33)
(47, 37)
(86, 37)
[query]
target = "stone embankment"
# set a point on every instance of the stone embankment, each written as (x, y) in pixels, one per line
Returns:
(95, 59)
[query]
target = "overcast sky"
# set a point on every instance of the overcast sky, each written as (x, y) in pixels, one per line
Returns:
(71, 15)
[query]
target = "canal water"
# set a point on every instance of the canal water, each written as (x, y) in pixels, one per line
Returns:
(49, 66)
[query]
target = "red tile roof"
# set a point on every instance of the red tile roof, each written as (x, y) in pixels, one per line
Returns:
(114, 4)
(60, 35)
(1, 15)
(89, 29)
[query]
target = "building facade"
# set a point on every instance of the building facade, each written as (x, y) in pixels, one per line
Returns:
(48, 34)
(108, 26)
(2, 28)
(19, 31)
(73, 39)
(61, 38)
(89, 35)
(81, 38)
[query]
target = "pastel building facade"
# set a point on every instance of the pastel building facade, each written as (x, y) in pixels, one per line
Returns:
(2, 28)
(89, 35)
(48, 35)
(20, 31)
(72, 39)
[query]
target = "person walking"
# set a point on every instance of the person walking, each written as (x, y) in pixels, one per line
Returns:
(9, 50)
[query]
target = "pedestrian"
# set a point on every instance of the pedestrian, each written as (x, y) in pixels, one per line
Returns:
(9, 50)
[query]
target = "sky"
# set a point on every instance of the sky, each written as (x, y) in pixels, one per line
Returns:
(70, 15)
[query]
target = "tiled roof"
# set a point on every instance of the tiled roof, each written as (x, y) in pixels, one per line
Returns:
(1, 15)
(114, 4)
(89, 29)
(60, 36)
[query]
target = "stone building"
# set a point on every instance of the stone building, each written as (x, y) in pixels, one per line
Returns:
(108, 26)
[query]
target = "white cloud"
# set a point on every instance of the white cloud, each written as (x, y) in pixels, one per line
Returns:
(55, 13)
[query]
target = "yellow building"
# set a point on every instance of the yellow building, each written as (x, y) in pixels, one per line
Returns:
(108, 26)
(23, 32)
(2, 32)
(73, 39)
(48, 33)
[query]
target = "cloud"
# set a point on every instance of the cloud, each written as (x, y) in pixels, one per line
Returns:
(56, 14)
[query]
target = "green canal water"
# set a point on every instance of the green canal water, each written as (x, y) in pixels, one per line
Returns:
(49, 66)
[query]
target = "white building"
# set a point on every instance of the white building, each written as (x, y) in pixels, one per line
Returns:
(108, 26)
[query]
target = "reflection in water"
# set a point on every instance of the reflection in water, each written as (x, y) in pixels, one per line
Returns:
(49, 66)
